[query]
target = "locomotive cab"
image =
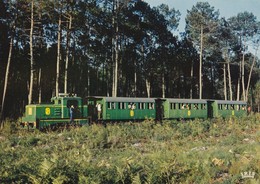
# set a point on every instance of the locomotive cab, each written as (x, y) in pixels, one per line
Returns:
(62, 104)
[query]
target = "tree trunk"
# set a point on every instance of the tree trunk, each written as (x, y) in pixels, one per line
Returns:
(135, 79)
(229, 82)
(113, 64)
(191, 80)
(250, 73)
(6, 82)
(238, 82)
(39, 84)
(88, 85)
(31, 57)
(67, 56)
(115, 46)
(200, 69)
(58, 58)
(148, 88)
(116, 64)
(163, 85)
(225, 81)
(243, 77)
(40, 33)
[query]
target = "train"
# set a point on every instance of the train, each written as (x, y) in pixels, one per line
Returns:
(121, 109)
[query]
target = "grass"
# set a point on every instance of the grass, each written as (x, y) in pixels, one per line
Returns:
(209, 151)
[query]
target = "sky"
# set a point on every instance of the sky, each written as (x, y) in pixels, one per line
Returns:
(227, 8)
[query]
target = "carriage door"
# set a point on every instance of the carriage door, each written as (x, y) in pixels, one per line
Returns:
(159, 109)
(92, 111)
(210, 105)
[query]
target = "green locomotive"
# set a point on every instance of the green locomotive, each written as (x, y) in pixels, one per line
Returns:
(114, 109)
(56, 113)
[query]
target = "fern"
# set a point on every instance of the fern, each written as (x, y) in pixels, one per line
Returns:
(136, 179)
(60, 179)
(45, 167)
(214, 151)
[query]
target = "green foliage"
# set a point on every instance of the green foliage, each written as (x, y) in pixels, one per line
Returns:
(209, 151)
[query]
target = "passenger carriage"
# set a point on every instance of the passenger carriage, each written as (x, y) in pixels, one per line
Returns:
(121, 108)
(225, 109)
(182, 108)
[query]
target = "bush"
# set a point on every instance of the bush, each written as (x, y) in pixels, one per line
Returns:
(210, 151)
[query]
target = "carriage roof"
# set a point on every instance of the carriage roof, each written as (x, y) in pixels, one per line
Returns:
(193, 101)
(123, 99)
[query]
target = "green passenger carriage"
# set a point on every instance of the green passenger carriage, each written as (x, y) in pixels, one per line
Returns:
(225, 109)
(182, 108)
(121, 108)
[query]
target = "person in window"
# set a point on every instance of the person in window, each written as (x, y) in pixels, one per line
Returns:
(134, 106)
(248, 110)
(131, 106)
(99, 109)
(71, 114)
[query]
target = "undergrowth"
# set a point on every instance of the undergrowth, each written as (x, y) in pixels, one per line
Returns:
(198, 151)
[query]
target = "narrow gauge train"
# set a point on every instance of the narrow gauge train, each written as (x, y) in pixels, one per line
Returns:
(41, 116)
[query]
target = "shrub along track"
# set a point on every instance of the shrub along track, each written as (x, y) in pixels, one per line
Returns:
(210, 151)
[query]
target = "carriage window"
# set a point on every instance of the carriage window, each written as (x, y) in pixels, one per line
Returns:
(90, 102)
(72, 102)
(203, 106)
(111, 105)
(238, 107)
(232, 106)
(220, 106)
(173, 106)
(188, 106)
(196, 106)
(122, 105)
(181, 106)
(131, 106)
(226, 107)
(141, 105)
(151, 105)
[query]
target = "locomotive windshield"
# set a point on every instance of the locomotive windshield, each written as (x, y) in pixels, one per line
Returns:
(72, 102)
